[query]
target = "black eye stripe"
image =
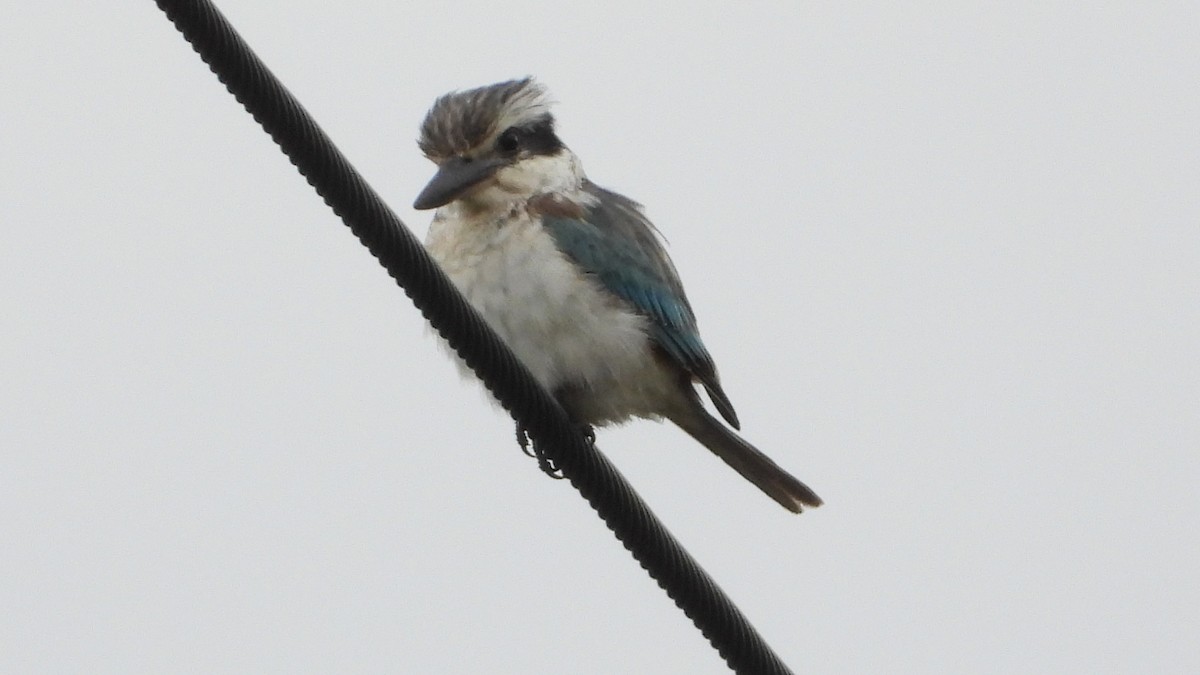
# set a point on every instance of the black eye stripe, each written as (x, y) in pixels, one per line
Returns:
(541, 139)
(537, 139)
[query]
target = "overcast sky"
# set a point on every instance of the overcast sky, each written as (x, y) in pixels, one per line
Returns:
(946, 258)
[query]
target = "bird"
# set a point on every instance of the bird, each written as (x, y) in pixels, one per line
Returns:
(573, 278)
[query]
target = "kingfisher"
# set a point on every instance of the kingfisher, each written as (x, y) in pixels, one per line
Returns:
(573, 277)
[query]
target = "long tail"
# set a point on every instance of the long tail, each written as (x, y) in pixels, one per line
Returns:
(747, 460)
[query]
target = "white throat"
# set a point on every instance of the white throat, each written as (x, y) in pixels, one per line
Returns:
(560, 174)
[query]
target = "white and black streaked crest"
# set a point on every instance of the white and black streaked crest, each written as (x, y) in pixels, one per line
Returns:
(464, 121)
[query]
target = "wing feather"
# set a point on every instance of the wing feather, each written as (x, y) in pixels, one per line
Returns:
(617, 244)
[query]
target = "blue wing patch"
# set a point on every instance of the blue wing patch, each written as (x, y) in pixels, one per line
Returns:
(615, 243)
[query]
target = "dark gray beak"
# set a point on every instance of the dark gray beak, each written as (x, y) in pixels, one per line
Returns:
(454, 177)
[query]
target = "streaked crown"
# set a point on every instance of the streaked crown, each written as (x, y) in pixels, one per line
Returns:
(462, 121)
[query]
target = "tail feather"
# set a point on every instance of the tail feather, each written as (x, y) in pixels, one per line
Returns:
(747, 460)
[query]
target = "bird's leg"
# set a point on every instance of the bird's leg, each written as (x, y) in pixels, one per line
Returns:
(564, 395)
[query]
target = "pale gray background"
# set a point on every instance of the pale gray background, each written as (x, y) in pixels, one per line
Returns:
(945, 255)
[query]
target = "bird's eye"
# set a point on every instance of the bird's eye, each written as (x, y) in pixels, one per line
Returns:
(509, 141)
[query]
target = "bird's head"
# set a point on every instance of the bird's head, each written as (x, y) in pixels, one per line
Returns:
(495, 145)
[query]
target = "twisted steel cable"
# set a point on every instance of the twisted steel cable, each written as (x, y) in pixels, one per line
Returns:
(405, 259)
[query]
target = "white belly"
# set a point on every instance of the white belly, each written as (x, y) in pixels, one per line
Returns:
(565, 329)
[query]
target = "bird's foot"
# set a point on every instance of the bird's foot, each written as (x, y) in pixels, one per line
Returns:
(533, 449)
(546, 464)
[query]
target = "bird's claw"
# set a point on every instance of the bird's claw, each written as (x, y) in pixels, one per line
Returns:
(531, 448)
(523, 440)
(547, 465)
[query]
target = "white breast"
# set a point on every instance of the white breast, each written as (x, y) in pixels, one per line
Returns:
(558, 322)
